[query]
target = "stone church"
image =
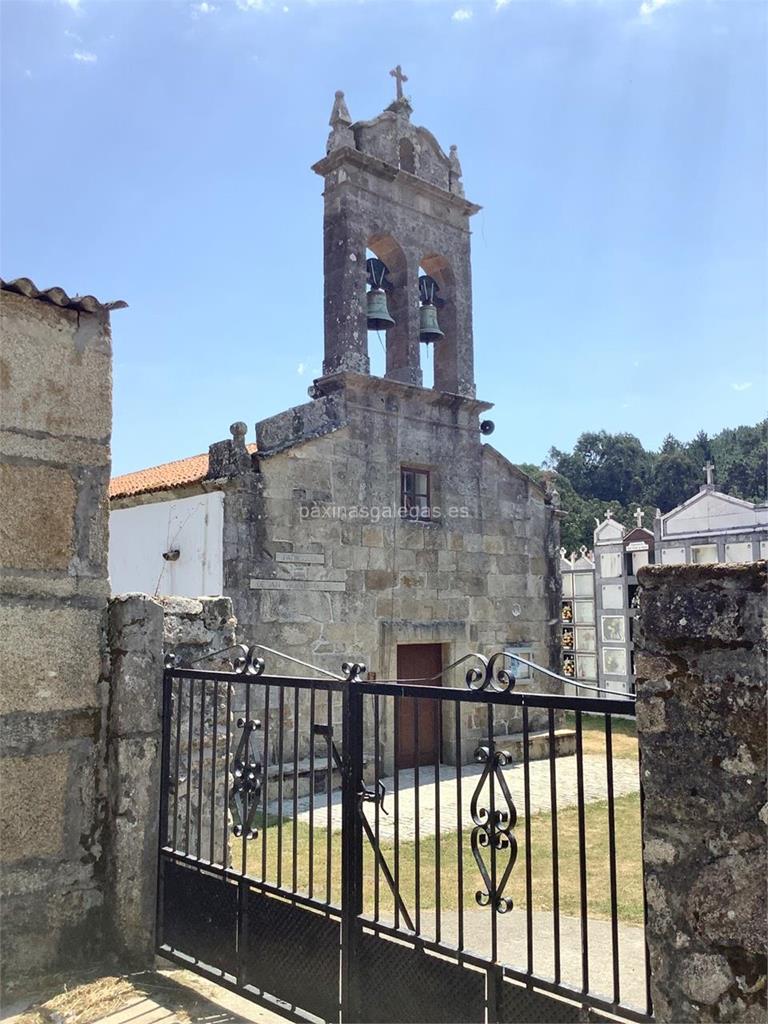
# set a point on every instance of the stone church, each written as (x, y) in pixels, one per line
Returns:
(372, 522)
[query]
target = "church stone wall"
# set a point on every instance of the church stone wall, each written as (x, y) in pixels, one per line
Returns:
(321, 567)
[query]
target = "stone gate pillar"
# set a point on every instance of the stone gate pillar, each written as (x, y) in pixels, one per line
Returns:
(701, 718)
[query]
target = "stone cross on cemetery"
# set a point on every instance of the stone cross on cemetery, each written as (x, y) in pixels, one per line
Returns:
(397, 74)
(639, 516)
(709, 469)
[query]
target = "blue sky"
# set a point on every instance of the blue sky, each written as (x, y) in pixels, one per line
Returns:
(160, 152)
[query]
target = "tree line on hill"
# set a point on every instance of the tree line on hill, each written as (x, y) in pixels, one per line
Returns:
(615, 471)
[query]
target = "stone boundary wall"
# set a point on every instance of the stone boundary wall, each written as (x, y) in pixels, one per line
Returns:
(55, 429)
(701, 714)
(140, 629)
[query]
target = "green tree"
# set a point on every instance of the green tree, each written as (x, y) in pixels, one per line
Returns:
(675, 479)
(610, 467)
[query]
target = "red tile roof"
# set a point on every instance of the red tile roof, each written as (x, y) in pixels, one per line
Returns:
(164, 477)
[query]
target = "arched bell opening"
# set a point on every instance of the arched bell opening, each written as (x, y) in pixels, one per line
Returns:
(437, 316)
(388, 341)
(406, 156)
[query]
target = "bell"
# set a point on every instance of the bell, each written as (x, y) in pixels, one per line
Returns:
(378, 313)
(429, 329)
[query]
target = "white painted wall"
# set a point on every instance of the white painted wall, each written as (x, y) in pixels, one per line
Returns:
(711, 513)
(138, 536)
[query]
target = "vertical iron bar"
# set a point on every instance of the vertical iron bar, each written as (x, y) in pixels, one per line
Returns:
(396, 740)
(582, 855)
(492, 822)
(376, 822)
(265, 788)
(177, 759)
(459, 837)
(528, 865)
(165, 766)
(190, 732)
(438, 902)
(328, 795)
(280, 752)
(352, 846)
(612, 859)
(311, 865)
(295, 844)
(555, 853)
(214, 745)
(201, 762)
(246, 732)
(416, 815)
(225, 852)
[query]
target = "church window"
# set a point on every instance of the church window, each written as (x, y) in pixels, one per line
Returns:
(415, 493)
(516, 668)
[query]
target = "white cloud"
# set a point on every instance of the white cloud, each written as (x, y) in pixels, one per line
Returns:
(649, 7)
(462, 14)
(27, 73)
(84, 57)
(742, 387)
(501, 3)
(72, 35)
(300, 369)
(203, 8)
(252, 5)
(73, 5)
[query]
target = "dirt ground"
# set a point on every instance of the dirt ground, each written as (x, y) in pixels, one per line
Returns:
(167, 995)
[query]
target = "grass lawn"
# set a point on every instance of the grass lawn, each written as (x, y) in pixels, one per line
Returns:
(623, 734)
(628, 860)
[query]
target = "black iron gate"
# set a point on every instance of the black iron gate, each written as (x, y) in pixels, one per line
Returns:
(301, 866)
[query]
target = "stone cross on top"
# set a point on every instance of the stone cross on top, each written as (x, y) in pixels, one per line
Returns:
(399, 77)
(639, 516)
(709, 469)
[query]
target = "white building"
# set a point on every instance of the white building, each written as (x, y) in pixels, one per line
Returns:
(712, 527)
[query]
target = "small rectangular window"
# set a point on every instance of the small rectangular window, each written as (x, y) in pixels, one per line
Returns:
(415, 502)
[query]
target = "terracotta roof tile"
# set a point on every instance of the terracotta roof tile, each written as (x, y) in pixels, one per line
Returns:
(58, 297)
(164, 477)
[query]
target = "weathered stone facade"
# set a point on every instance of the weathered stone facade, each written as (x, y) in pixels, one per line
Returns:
(56, 423)
(317, 569)
(701, 714)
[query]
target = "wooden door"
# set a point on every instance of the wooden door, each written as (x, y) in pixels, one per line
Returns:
(418, 661)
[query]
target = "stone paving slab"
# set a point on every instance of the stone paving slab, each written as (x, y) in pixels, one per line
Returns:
(626, 779)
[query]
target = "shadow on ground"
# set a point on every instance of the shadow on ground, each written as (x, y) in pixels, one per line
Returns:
(167, 995)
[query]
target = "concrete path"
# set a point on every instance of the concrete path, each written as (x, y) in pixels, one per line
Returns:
(626, 780)
(512, 950)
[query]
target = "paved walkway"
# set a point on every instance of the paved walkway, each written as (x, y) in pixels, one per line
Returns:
(625, 780)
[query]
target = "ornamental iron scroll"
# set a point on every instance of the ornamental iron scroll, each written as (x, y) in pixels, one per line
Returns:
(246, 787)
(489, 677)
(493, 829)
